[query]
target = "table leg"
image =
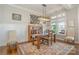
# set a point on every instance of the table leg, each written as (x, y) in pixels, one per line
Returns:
(51, 41)
(38, 42)
(33, 41)
(54, 38)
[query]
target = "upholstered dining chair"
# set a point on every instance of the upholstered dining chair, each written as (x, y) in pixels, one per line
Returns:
(12, 36)
(12, 42)
(70, 37)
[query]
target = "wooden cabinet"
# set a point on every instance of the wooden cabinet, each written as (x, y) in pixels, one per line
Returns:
(32, 30)
(34, 34)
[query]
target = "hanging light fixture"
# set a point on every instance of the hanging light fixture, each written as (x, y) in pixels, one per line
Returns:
(44, 17)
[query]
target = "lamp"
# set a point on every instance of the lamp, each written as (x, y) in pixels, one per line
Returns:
(44, 17)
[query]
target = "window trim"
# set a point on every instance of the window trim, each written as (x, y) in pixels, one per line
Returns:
(56, 21)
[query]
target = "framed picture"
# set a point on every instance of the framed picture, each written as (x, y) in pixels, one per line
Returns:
(16, 16)
(34, 19)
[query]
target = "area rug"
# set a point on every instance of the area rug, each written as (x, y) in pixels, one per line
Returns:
(54, 49)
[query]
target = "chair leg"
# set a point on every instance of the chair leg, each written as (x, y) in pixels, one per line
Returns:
(38, 42)
(48, 42)
(38, 47)
(33, 42)
(54, 38)
(51, 41)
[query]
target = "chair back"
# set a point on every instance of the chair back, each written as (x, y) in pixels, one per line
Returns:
(12, 38)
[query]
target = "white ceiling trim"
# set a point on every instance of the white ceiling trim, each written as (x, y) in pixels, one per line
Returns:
(67, 6)
(25, 9)
(52, 11)
(63, 8)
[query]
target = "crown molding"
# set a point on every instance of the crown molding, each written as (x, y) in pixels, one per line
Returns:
(25, 9)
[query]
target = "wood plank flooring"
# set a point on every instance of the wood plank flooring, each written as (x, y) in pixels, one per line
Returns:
(3, 50)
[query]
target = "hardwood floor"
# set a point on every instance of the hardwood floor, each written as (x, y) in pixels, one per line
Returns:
(23, 47)
(3, 50)
(73, 52)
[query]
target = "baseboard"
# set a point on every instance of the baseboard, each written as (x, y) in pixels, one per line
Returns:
(64, 41)
(23, 42)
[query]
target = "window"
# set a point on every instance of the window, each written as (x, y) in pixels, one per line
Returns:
(54, 27)
(58, 24)
(61, 27)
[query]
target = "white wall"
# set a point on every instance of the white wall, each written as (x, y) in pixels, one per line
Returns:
(77, 26)
(72, 23)
(6, 23)
(1, 13)
(70, 16)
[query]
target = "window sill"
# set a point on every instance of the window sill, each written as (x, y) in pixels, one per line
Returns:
(62, 34)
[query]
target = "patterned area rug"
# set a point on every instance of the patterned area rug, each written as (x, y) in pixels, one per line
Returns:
(56, 49)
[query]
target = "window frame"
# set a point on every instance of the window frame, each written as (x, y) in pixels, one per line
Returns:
(56, 20)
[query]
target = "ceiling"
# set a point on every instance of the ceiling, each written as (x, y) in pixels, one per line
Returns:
(50, 7)
(38, 7)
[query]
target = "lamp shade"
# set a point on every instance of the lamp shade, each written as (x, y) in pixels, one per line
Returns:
(44, 18)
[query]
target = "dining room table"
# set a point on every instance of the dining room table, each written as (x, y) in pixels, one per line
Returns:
(40, 38)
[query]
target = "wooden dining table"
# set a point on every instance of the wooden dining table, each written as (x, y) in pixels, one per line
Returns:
(40, 37)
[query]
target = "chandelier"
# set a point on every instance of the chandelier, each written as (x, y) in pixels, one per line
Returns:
(44, 17)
